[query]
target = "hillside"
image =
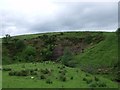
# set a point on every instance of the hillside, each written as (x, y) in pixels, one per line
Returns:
(95, 53)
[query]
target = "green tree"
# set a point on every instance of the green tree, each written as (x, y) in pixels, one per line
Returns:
(20, 45)
(29, 53)
(47, 52)
(67, 58)
(7, 39)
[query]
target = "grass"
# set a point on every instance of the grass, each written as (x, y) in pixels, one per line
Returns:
(27, 82)
(103, 54)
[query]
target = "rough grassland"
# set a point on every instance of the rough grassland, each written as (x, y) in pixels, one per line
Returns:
(27, 82)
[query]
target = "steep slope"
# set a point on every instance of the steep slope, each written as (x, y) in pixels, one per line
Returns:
(102, 55)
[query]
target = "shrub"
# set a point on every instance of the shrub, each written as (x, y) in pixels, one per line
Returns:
(20, 45)
(71, 78)
(61, 33)
(101, 84)
(93, 85)
(88, 39)
(46, 71)
(46, 53)
(89, 81)
(77, 71)
(89, 69)
(24, 73)
(49, 81)
(33, 73)
(11, 73)
(7, 39)
(63, 72)
(36, 69)
(29, 53)
(72, 63)
(67, 58)
(87, 75)
(42, 77)
(96, 79)
(63, 78)
(84, 79)
(7, 69)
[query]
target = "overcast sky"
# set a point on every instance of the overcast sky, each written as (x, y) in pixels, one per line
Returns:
(19, 17)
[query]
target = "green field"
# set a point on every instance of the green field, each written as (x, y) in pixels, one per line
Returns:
(76, 82)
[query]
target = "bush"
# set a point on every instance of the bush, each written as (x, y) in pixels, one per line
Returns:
(7, 39)
(11, 73)
(19, 73)
(20, 45)
(61, 33)
(67, 58)
(29, 53)
(6, 69)
(101, 84)
(46, 71)
(49, 81)
(89, 81)
(42, 77)
(63, 78)
(72, 63)
(87, 75)
(24, 73)
(84, 79)
(88, 39)
(93, 85)
(33, 73)
(71, 78)
(96, 79)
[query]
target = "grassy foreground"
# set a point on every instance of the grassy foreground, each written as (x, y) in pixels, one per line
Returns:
(75, 78)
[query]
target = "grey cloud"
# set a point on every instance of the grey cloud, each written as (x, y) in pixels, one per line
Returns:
(71, 16)
(83, 16)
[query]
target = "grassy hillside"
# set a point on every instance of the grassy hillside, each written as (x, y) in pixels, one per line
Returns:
(103, 54)
(84, 55)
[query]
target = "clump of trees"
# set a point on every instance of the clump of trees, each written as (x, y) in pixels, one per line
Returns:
(48, 47)
(29, 53)
(20, 45)
(67, 58)
(6, 39)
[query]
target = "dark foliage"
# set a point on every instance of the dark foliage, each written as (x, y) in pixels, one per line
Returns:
(6, 69)
(49, 81)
